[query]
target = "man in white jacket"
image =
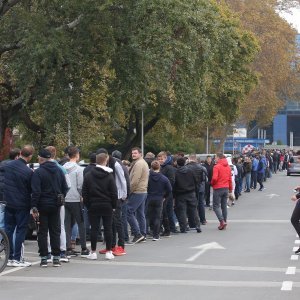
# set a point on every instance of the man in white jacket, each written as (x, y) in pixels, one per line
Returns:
(73, 202)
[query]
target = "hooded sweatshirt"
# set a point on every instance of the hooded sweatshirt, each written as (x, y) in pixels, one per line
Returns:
(222, 175)
(185, 181)
(47, 182)
(99, 191)
(75, 173)
(159, 186)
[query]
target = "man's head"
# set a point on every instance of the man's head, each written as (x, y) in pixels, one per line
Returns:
(219, 156)
(193, 157)
(101, 159)
(117, 154)
(161, 157)
(44, 155)
(14, 153)
(208, 159)
(155, 166)
(52, 150)
(180, 161)
(27, 152)
(74, 154)
(136, 153)
(92, 157)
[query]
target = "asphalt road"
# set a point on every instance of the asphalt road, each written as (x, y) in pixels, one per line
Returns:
(252, 259)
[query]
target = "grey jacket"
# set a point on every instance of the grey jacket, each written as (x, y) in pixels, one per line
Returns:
(75, 173)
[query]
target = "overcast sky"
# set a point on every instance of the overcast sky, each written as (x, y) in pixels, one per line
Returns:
(293, 18)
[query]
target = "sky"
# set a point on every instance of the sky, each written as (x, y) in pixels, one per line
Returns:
(293, 18)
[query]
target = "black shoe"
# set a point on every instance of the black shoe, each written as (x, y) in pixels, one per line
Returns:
(56, 262)
(198, 230)
(128, 243)
(44, 263)
(138, 239)
(166, 234)
(204, 222)
(297, 252)
(260, 190)
(85, 253)
(71, 253)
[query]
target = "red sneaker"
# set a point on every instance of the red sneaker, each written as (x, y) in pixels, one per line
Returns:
(222, 225)
(103, 251)
(118, 251)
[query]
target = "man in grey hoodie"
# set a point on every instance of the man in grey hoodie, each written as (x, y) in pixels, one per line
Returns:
(73, 202)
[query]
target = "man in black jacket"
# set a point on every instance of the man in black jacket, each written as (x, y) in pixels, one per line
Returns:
(184, 192)
(167, 169)
(209, 165)
(48, 186)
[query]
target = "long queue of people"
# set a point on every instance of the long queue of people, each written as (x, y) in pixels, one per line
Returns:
(155, 196)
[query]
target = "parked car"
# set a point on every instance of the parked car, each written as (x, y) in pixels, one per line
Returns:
(293, 166)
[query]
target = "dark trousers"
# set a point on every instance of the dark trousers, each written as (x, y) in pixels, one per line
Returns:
(154, 214)
(164, 216)
(207, 194)
(253, 179)
(95, 226)
(15, 219)
(201, 208)
(124, 220)
(187, 204)
(74, 210)
(49, 221)
(260, 178)
(295, 218)
(170, 212)
(117, 226)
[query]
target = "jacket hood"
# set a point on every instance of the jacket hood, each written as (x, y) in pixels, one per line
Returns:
(101, 171)
(223, 162)
(168, 161)
(155, 176)
(50, 166)
(183, 169)
(70, 166)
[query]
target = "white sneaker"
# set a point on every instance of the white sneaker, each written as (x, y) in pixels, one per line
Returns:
(109, 255)
(20, 264)
(92, 256)
(10, 263)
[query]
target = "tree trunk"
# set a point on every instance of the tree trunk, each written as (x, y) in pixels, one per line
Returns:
(4, 118)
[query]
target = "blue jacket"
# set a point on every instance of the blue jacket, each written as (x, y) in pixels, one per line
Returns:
(17, 184)
(159, 186)
(47, 182)
(254, 164)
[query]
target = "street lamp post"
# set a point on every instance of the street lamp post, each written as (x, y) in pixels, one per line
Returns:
(142, 129)
(69, 115)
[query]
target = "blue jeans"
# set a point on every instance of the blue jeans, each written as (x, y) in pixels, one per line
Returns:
(16, 219)
(2, 209)
(247, 181)
(136, 213)
(201, 207)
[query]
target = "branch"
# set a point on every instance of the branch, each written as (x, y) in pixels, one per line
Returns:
(9, 47)
(72, 24)
(6, 5)
(29, 123)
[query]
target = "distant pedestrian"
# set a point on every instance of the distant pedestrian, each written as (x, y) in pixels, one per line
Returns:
(222, 185)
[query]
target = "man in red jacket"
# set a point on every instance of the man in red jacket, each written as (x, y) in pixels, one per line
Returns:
(221, 184)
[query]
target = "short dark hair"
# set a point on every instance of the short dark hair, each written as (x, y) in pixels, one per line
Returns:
(180, 161)
(101, 150)
(73, 151)
(136, 148)
(92, 157)
(27, 151)
(52, 150)
(155, 165)
(220, 155)
(101, 158)
(14, 153)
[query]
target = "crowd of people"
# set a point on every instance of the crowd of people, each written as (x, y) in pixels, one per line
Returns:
(149, 197)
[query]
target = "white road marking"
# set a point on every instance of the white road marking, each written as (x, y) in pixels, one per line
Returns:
(253, 221)
(297, 242)
(203, 248)
(291, 271)
(294, 257)
(15, 269)
(159, 282)
(295, 249)
(287, 286)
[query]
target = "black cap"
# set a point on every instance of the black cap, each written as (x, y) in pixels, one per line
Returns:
(117, 154)
(101, 150)
(44, 153)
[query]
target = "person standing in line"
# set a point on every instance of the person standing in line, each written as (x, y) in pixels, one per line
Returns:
(184, 192)
(63, 246)
(73, 202)
(260, 173)
(254, 173)
(100, 196)
(159, 188)
(247, 169)
(49, 187)
(209, 165)
(167, 170)
(139, 175)
(17, 195)
(222, 185)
